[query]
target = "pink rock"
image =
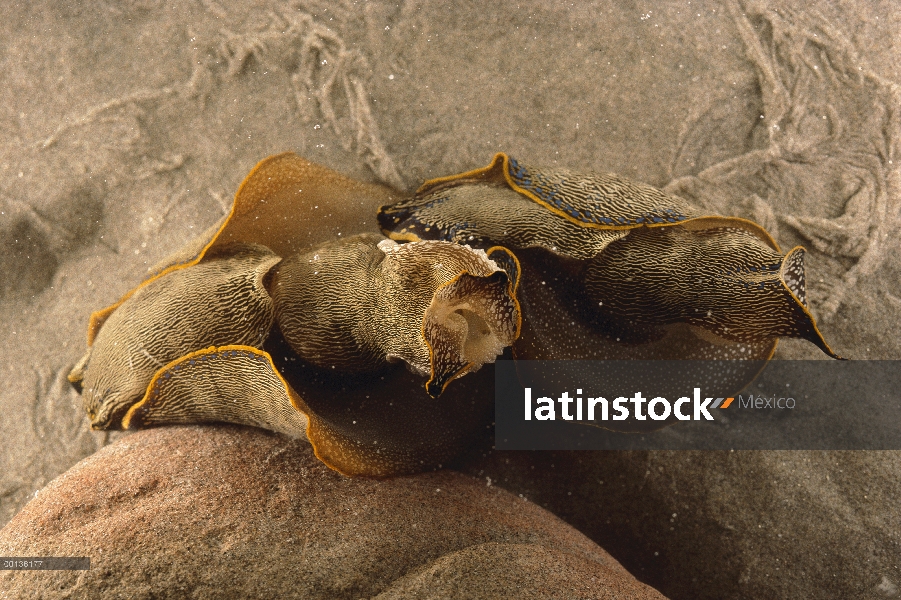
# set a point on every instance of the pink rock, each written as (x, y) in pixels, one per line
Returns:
(211, 512)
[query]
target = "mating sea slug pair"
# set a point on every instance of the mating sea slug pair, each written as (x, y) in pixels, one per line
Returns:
(359, 318)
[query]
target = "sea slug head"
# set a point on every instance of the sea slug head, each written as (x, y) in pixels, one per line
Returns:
(356, 305)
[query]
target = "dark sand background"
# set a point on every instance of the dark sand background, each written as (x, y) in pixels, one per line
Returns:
(125, 128)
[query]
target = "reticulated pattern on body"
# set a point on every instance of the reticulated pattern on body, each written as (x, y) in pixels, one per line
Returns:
(296, 315)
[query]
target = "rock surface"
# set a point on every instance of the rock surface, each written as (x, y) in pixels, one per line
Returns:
(217, 512)
(774, 524)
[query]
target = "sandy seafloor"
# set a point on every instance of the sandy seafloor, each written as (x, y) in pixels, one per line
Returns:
(125, 128)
